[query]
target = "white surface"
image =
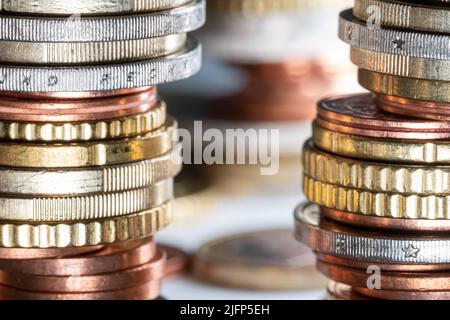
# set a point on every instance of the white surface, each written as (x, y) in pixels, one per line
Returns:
(265, 208)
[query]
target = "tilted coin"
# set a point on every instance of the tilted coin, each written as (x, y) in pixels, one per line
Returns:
(406, 15)
(68, 53)
(358, 114)
(71, 181)
(88, 154)
(375, 176)
(89, 233)
(379, 204)
(103, 77)
(401, 65)
(101, 29)
(371, 246)
(385, 150)
(98, 7)
(391, 41)
(125, 127)
(84, 208)
(412, 88)
(266, 260)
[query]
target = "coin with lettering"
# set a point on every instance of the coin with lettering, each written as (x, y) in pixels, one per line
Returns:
(265, 260)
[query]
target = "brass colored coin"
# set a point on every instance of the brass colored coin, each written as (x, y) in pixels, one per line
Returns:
(401, 65)
(89, 154)
(380, 204)
(375, 176)
(418, 89)
(385, 150)
(89, 233)
(83, 208)
(266, 260)
(84, 131)
(74, 53)
(401, 14)
(98, 7)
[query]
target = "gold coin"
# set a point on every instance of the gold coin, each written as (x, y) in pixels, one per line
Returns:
(376, 149)
(265, 260)
(380, 204)
(84, 131)
(375, 176)
(89, 233)
(89, 154)
(64, 53)
(418, 89)
(97, 7)
(404, 15)
(401, 65)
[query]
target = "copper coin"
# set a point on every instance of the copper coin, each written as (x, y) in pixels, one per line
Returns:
(414, 108)
(387, 223)
(73, 95)
(177, 261)
(27, 254)
(359, 115)
(361, 264)
(403, 295)
(19, 109)
(151, 271)
(146, 291)
(111, 258)
(399, 281)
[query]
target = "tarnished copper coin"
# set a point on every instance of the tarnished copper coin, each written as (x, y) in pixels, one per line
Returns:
(359, 115)
(265, 260)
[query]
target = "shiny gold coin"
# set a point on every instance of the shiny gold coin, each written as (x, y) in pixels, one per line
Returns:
(89, 154)
(418, 89)
(375, 176)
(89, 233)
(385, 150)
(379, 204)
(265, 260)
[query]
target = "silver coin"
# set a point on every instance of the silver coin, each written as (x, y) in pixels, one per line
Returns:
(103, 77)
(404, 43)
(368, 247)
(99, 29)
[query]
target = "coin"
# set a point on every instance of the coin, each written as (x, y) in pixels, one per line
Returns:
(331, 238)
(87, 7)
(359, 115)
(385, 150)
(375, 176)
(78, 53)
(403, 295)
(180, 65)
(412, 88)
(89, 233)
(265, 260)
(103, 28)
(177, 261)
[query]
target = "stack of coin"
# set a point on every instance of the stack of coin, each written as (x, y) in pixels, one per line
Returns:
(87, 152)
(377, 167)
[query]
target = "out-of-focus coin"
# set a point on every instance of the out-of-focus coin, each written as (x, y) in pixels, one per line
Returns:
(177, 261)
(87, 7)
(359, 115)
(265, 260)
(412, 88)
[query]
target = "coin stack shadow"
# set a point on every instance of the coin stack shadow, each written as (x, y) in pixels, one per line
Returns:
(87, 152)
(377, 167)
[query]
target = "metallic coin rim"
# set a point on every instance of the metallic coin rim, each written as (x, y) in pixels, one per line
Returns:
(107, 28)
(367, 245)
(103, 77)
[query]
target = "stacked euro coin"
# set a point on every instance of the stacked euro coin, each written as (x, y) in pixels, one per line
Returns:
(88, 153)
(377, 167)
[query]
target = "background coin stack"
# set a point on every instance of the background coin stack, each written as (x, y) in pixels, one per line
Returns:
(87, 153)
(378, 164)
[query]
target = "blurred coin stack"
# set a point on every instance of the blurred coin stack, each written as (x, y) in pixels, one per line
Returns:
(87, 152)
(377, 168)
